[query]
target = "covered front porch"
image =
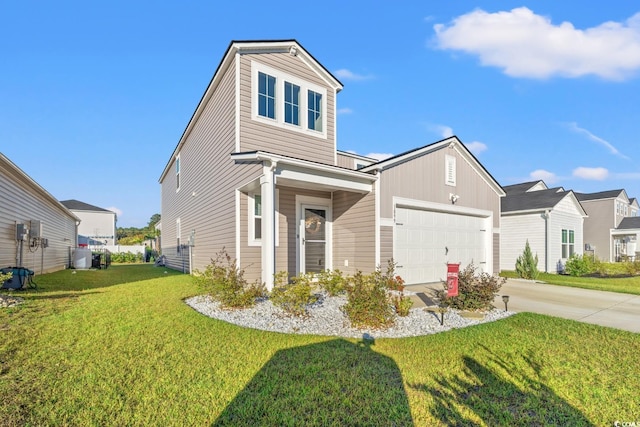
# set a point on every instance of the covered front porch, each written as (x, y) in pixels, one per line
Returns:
(304, 217)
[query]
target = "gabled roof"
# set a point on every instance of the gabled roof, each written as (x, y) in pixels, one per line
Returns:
(522, 188)
(250, 46)
(16, 171)
(609, 194)
(634, 201)
(77, 205)
(537, 201)
(630, 222)
(452, 142)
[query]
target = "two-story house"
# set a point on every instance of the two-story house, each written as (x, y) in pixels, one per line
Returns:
(257, 172)
(550, 219)
(606, 210)
(97, 226)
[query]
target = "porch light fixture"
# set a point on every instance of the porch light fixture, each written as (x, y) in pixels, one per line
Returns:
(454, 198)
(505, 299)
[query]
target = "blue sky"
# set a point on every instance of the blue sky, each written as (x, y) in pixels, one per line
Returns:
(94, 96)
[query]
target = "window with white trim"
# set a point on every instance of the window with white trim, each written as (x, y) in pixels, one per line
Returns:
(291, 103)
(450, 170)
(568, 243)
(178, 172)
(254, 203)
(280, 99)
(266, 95)
(314, 120)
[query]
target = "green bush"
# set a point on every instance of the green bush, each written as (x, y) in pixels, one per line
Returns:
(402, 304)
(126, 258)
(5, 277)
(583, 265)
(333, 282)
(367, 303)
(294, 297)
(225, 282)
(475, 291)
(527, 264)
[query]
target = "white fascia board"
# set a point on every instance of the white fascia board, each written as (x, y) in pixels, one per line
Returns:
(321, 180)
(328, 169)
(526, 212)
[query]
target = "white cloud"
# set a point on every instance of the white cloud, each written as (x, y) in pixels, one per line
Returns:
(524, 44)
(116, 210)
(442, 130)
(379, 156)
(546, 176)
(344, 74)
(613, 150)
(476, 147)
(345, 111)
(593, 174)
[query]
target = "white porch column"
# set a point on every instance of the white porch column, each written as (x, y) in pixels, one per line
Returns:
(267, 192)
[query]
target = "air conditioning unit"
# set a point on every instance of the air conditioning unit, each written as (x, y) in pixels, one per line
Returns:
(588, 247)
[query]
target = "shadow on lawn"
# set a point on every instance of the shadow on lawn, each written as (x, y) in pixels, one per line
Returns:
(331, 383)
(484, 391)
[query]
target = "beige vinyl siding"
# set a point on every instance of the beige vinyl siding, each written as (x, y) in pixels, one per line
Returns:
(345, 161)
(354, 231)
(22, 202)
(423, 178)
(256, 135)
(206, 201)
(514, 233)
(598, 225)
(386, 244)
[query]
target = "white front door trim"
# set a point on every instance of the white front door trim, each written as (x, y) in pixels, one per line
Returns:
(303, 202)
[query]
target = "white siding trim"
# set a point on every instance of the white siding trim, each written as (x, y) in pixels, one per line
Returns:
(237, 115)
(238, 226)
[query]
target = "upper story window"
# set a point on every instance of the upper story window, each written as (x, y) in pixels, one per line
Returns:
(315, 119)
(291, 103)
(279, 99)
(178, 172)
(266, 95)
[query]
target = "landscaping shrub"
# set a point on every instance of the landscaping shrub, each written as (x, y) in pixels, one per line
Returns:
(367, 303)
(224, 281)
(475, 291)
(5, 277)
(583, 265)
(395, 284)
(333, 282)
(527, 264)
(294, 297)
(402, 304)
(126, 258)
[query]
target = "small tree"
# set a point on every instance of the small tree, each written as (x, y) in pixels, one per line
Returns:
(527, 264)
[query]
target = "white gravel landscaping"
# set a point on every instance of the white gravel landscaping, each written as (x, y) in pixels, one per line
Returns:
(327, 318)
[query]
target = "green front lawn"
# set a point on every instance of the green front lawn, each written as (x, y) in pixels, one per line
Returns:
(629, 285)
(119, 347)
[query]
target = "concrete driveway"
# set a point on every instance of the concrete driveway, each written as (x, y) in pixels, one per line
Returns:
(602, 308)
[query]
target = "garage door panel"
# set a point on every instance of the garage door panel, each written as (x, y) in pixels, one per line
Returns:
(422, 238)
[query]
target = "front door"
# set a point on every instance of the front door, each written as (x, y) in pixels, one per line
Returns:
(313, 242)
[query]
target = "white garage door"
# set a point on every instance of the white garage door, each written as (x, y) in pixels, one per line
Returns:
(425, 241)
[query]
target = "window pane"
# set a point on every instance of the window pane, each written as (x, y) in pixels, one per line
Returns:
(564, 251)
(257, 209)
(571, 250)
(314, 117)
(564, 236)
(266, 95)
(571, 237)
(291, 103)
(257, 228)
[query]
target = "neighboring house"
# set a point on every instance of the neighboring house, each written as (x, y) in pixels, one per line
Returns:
(634, 208)
(37, 231)
(257, 172)
(550, 219)
(626, 237)
(606, 210)
(98, 225)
